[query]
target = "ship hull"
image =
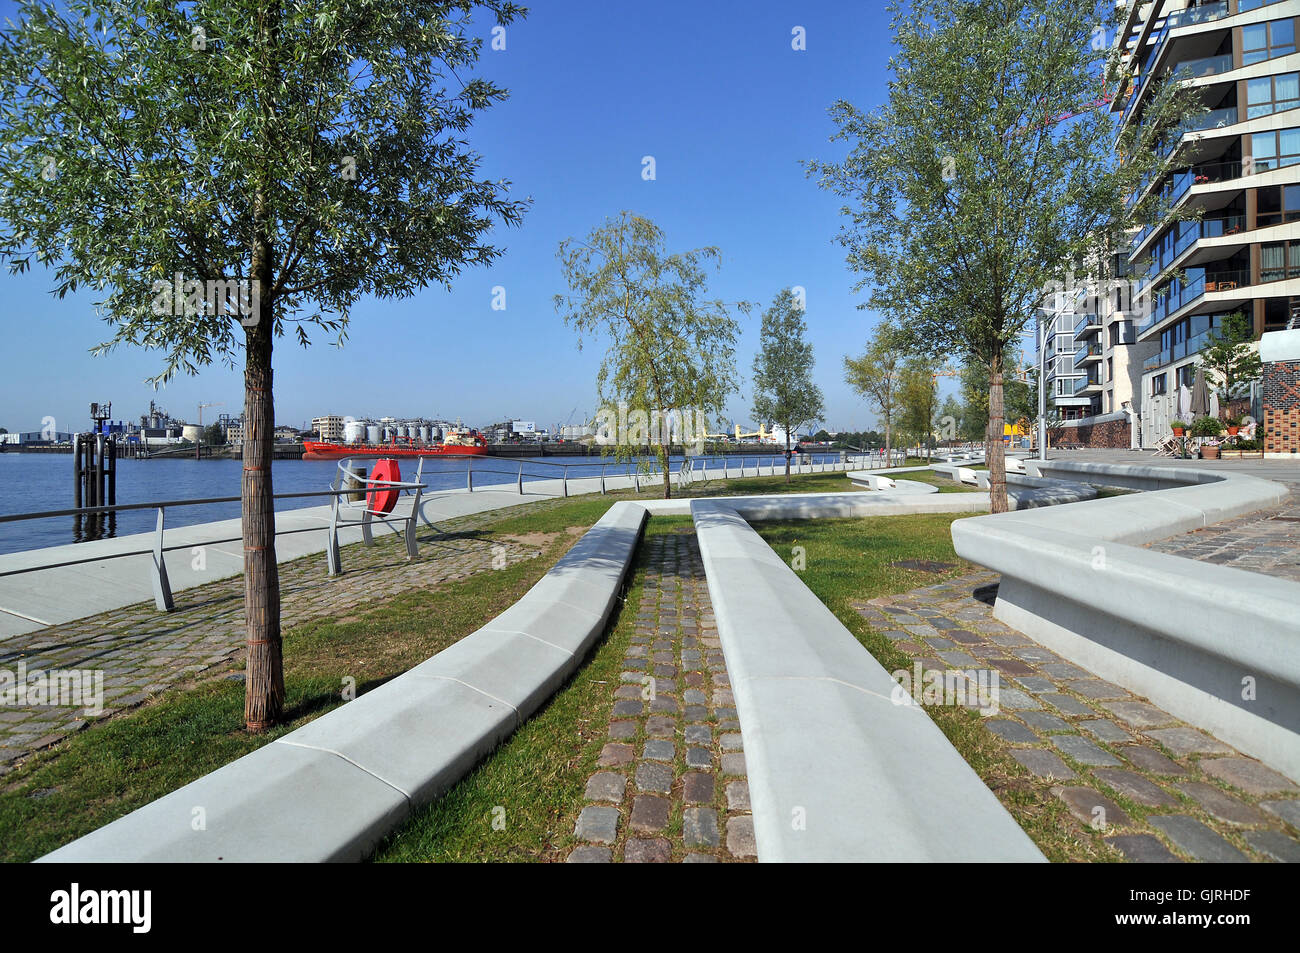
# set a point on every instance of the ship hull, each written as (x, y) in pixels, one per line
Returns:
(314, 450)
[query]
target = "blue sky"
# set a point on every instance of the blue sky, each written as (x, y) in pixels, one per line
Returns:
(713, 91)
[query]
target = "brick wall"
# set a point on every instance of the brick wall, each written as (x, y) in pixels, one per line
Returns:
(1281, 401)
(1089, 432)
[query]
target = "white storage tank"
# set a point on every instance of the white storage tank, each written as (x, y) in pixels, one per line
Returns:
(191, 432)
(354, 431)
(372, 433)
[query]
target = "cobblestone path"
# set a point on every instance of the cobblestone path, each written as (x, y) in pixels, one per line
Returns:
(670, 783)
(1266, 541)
(142, 652)
(1152, 787)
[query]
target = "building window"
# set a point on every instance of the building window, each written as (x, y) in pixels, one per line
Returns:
(1263, 41)
(1186, 375)
(1276, 204)
(1272, 150)
(1278, 260)
(1278, 312)
(1271, 94)
(1159, 384)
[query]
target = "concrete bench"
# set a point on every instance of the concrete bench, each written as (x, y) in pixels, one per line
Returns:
(333, 788)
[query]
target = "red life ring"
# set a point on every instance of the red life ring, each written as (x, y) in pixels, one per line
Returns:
(382, 500)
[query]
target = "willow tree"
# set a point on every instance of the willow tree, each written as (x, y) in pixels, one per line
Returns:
(877, 375)
(224, 171)
(784, 392)
(671, 349)
(989, 172)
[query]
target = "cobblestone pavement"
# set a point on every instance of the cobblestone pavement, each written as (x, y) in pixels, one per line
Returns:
(1154, 788)
(670, 784)
(142, 652)
(1266, 541)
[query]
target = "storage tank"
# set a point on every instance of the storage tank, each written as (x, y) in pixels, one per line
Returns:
(372, 433)
(424, 434)
(354, 431)
(413, 432)
(192, 432)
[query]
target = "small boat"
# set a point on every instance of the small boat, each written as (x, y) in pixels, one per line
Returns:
(457, 443)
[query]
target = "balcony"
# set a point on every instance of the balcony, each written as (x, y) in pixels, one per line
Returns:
(1177, 352)
(1176, 297)
(1088, 354)
(1199, 14)
(1086, 386)
(1214, 119)
(1088, 324)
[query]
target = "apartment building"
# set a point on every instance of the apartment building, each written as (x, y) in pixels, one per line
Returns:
(1239, 165)
(330, 428)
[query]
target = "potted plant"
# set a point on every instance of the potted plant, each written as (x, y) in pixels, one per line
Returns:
(1179, 427)
(1206, 427)
(1233, 424)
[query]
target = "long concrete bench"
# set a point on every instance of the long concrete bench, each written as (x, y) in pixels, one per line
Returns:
(838, 770)
(1215, 646)
(333, 788)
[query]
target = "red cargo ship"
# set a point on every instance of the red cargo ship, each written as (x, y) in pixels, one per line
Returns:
(458, 443)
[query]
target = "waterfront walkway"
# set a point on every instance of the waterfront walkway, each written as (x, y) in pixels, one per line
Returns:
(1135, 781)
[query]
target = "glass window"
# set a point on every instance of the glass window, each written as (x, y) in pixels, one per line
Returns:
(1270, 94)
(1272, 265)
(1262, 41)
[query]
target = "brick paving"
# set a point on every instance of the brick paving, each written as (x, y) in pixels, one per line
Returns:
(1266, 541)
(142, 652)
(1151, 787)
(670, 783)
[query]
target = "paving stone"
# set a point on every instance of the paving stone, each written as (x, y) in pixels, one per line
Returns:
(695, 712)
(1045, 764)
(1222, 806)
(959, 659)
(1063, 670)
(737, 795)
(587, 854)
(700, 827)
(1067, 704)
(697, 788)
(1107, 731)
(1274, 844)
(730, 741)
(964, 636)
(1149, 759)
(606, 786)
(661, 726)
(1190, 835)
(699, 859)
(649, 813)
(1010, 666)
(599, 824)
(941, 644)
(657, 749)
(733, 763)
(647, 851)
(1287, 810)
(1036, 683)
(1094, 809)
(1248, 775)
(740, 836)
(1135, 787)
(699, 735)
(699, 758)
(693, 696)
(1183, 741)
(652, 776)
(1045, 721)
(626, 707)
(614, 754)
(1036, 654)
(1011, 730)
(1083, 750)
(1096, 688)
(1014, 699)
(622, 729)
(1139, 714)
(1142, 849)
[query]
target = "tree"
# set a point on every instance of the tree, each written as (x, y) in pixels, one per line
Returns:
(876, 376)
(1229, 361)
(275, 162)
(214, 436)
(670, 348)
(918, 398)
(784, 392)
(966, 198)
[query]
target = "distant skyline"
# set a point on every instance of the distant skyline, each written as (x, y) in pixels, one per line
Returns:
(715, 93)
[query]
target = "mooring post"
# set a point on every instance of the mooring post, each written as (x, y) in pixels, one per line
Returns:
(162, 590)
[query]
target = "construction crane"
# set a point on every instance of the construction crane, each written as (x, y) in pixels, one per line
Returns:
(213, 404)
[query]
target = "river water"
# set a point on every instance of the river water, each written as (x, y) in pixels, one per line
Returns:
(35, 482)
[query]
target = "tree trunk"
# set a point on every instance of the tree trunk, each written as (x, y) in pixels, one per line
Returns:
(994, 454)
(787, 455)
(663, 463)
(264, 680)
(888, 444)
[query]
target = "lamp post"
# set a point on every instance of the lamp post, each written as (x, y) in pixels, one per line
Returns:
(1042, 386)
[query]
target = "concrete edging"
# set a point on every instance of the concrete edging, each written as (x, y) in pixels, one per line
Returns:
(1184, 633)
(832, 758)
(332, 789)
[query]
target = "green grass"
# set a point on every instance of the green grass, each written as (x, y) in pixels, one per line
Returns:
(850, 561)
